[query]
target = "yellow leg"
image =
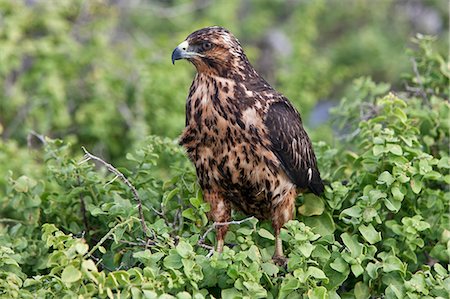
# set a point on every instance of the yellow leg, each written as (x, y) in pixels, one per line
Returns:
(278, 245)
(219, 245)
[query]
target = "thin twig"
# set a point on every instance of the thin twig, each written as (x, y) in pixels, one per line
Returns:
(201, 241)
(108, 235)
(145, 244)
(126, 181)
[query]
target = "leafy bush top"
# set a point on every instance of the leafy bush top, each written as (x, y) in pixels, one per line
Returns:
(74, 229)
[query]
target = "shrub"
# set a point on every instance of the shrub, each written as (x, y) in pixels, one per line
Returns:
(382, 229)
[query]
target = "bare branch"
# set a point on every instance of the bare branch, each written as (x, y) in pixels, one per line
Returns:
(126, 181)
(201, 241)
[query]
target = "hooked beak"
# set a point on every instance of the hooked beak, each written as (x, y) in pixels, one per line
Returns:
(182, 51)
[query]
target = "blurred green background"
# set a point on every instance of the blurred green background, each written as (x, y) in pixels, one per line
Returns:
(98, 73)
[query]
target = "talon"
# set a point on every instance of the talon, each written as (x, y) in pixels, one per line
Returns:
(280, 260)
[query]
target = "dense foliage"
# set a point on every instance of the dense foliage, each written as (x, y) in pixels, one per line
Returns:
(73, 228)
(85, 73)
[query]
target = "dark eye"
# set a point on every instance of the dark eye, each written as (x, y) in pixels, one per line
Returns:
(206, 46)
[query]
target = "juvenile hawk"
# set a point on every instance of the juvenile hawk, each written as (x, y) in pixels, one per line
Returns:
(246, 139)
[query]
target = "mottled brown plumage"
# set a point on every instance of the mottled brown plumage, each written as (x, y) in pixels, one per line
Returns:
(245, 139)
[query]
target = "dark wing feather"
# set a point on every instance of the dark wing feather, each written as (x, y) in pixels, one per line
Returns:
(292, 146)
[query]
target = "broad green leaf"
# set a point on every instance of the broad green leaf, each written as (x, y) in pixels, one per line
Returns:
(265, 234)
(339, 265)
(393, 263)
(184, 249)
(24, 183)
(312, 205)
(321, 252)
(173, 261)
(372, 269)
(416, 184)
(357, 269)
(169, 195)
(351, 241)
(70, 274)
(306, 249)
(322, 225)
(81, 248)
(440, 270)
(316, 273)
(361, 290)
(270, 269)
(288, 285)
(400, 114)
(231, 293)
(385, 178)
(318, 293)
(354, 211)
(184, 295)
(398, 195)
(378, 150)
(189, 214)
(392, 204)
(369, 233)
(395, 149)
(255, 289)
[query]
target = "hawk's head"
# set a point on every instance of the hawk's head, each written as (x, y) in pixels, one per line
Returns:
(212, 50)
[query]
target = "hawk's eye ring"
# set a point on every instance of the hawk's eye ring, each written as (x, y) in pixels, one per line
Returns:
(206, 46)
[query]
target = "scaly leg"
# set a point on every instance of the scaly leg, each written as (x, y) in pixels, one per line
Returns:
(220, 212)
(282, 214)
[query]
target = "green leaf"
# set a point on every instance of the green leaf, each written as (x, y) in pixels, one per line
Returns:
(318, 293)
(312, 205)
(322, 225)
(385, 178)
(231, 293)
(351, 241)
(361, 290)
(288, 285)
(189, 214)
(357, 269)
(265, 234)
(306, 249)
(169, 195)
(339, 265)
(173, 261)
(316, 273)
(184, 295)
(398, 195)
(24, 183)
(270, 269)
(369, 233)
(372, 269)
(321, 252)
(184, 249)
(70, 274)
(81, 248)
(196, 201)
(392, 204)
(400, 114)
(440, 270)
(354, 212)
(416, 184)
(393, 263)
(378, 150)
(395, 149)
(255, 289)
